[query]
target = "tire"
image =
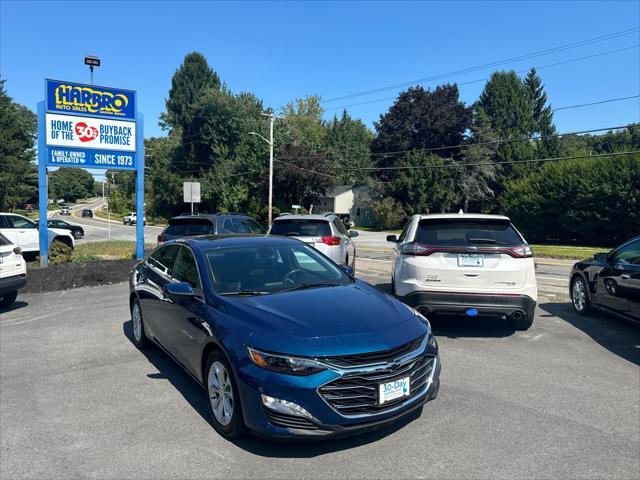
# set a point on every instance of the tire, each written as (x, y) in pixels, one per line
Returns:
(140, 339)
(8, 298)
(580, 296)
(223, 400)
(77, 235)
(524, 323)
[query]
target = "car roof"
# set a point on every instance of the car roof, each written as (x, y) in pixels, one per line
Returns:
(462, 216)
(208, 216)
(311, 216)
(206, 242)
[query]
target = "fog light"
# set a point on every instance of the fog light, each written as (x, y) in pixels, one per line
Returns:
(285, 406)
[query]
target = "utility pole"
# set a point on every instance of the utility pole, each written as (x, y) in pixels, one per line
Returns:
(272, 118)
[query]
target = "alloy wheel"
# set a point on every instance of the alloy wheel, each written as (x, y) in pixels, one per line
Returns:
(579, 295)
(136, 319)
(220, 393)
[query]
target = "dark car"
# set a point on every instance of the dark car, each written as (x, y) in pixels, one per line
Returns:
(76, 230)
(609, 281)
(187, 225)
(87, 213)
(283, 341)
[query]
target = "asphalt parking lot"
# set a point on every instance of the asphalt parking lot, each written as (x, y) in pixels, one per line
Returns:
(80, 401)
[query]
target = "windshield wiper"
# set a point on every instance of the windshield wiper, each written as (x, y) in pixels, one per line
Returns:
(310, 285)
(246, 292)
(486, 240)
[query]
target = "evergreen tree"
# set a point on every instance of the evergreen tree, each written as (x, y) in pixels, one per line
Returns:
(349, 143)
(542, 116)
(18, 175)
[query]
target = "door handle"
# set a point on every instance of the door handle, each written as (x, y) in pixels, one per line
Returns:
(626, 276)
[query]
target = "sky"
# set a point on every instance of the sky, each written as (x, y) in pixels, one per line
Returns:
(280, 51)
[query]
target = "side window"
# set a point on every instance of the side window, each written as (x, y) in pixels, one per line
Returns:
(185, 268)
(163, 258)
(404, 232)
(255, 227)
(629, 254)
(340, 226)
(19, 222)
(227, 226)
(3, 222)
(240, 226)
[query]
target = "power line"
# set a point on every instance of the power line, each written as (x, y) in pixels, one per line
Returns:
(596, 103)
(495, 142)
(538, 53)
(469, 82)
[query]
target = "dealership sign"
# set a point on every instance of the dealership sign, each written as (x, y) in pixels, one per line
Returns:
(90, 126)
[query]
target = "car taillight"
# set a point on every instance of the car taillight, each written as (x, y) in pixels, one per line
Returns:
(17, 251)
(415, 249)
(330, 240)
(160, 239)
(522, 251)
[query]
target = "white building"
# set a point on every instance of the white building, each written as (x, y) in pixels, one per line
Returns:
(352, 200)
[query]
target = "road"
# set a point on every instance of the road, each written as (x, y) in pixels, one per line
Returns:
(97, 229)
(80, 401)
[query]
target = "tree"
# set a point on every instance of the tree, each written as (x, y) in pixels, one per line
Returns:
(348, 142)
(425, 184)
(542, 116)
(302, 123)
(421, 119)
(478, 168)
(18, 175)
(70, 184)
(509, 106)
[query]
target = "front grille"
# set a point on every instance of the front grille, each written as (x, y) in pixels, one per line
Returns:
(374, 357)
(289, 421)
(357, 393)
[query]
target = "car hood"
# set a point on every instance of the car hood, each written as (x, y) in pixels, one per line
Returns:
(349, 319)
(59, 231)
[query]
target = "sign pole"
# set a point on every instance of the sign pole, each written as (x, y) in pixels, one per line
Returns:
(140, 188)
(43, 196)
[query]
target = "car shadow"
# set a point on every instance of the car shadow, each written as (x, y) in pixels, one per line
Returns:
(621, 337)
(194, 395)
(18, 304)
(459, 326)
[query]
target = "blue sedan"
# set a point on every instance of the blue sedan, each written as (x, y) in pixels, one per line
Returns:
(284, 342)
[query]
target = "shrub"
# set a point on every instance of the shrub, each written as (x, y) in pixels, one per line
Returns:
(387, 213)
(60, 253)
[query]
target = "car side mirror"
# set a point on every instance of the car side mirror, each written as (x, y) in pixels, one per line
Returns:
(601, 257)
(392, 238)
(353, 233)
(182, 289)
(347, 269)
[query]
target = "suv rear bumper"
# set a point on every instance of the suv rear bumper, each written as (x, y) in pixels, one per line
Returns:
(459, 303)
(10, 284)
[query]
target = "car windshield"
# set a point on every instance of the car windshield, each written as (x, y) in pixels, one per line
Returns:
(295, 227)
(189, 226)
(454, 232)
(261, 270)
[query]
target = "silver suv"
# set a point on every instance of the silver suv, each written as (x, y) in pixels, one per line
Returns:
(326, 233)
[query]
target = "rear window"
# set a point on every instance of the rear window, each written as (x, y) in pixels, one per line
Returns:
(467, 232)
(189, 226)
(301, 228)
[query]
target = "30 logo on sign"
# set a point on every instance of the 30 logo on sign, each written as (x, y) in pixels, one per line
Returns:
(86, 133)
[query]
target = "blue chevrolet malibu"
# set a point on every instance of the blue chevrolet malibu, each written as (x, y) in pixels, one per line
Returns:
(284, 342)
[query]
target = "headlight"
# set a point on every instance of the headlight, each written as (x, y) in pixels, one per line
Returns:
(284, 363)
(431, 338)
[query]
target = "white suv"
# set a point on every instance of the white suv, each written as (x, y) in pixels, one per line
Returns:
(326, 233)
(24, 233)
(469, 264)
(13, 272)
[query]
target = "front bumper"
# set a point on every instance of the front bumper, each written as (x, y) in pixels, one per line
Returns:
(13, 283)
(459, 303)
(327, 422)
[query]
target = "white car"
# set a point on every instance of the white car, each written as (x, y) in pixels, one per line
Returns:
(132, 218)
(326, 233)
(13, 271)
(468, 264)
(24, 233)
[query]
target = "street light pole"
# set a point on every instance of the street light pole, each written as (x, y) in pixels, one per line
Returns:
(272, 118)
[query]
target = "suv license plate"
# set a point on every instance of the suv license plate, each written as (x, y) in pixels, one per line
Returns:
(395, 389)
(470, 260)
